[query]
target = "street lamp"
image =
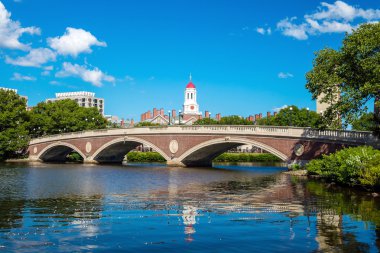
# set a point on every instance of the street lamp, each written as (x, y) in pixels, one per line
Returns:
(291, 109)
(209, 115)
(179, 117)
(169, 116)
(308, 120)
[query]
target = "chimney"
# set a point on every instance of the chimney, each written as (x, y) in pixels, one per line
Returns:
(174, 114)
(162, 112)
(155, 112)
(260, 115)
(122, 123)
(217, 116)
(148, 115)
(207, 114)
(142, 117)
(268, 115)
(256, 117)
(250, 118)
(132, 123)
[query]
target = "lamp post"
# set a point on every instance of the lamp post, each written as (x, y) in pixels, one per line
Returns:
(209, 115)
(169, 116)
(179, 117)
(308, 120)
(291, 109)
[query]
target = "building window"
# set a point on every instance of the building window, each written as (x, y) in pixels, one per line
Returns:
(101, 101)
(191, 95)
(83, 99)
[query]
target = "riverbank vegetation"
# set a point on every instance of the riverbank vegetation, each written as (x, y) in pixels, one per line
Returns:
(144, 157)
(358, 166)
(247, 157)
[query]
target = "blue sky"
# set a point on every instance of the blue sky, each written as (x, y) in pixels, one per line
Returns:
(245, 57)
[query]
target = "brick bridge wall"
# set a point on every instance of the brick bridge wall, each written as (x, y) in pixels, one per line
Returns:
(284, 147)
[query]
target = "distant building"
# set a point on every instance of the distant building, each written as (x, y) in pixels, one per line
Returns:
(83, 98)
(322, 106)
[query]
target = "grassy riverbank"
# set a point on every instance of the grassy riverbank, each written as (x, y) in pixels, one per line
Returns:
(247, 157)
(359, 166)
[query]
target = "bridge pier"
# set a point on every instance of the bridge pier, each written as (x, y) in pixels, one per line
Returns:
(175, 163)
(89, 160)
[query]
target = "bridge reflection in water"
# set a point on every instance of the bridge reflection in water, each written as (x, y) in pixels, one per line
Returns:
(92, 205)
(196, 145)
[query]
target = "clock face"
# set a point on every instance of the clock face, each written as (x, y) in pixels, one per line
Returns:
(192, 107)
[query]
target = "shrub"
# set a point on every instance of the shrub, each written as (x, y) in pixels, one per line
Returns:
(144, 157)
(247, 157)
(352, 166)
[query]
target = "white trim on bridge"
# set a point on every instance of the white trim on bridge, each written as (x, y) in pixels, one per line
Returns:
(342, 136)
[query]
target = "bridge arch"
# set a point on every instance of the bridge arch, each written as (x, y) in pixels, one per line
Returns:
(203, 153)
(57, 152)
(115, 150)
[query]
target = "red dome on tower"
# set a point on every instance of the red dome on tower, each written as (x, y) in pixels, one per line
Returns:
(190, 85)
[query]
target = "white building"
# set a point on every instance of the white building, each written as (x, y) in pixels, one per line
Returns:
(83, 98)
(190, 106)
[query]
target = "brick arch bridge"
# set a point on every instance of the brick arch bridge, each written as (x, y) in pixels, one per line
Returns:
(195, 145)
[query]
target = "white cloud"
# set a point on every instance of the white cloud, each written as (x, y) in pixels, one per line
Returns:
(35, 58)
(19, 77)
(264, 31)
(54, 82)
(293, 30)
(11, 31)
(338, 17)
(74, 42)
(284, 75)
(260, 30)
(343, 11)
(329, 26)
(277, 109)
(94, 76)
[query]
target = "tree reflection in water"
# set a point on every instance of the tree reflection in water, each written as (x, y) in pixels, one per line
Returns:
(190, 208)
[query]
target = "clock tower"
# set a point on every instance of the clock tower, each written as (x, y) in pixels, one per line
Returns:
(190, 105)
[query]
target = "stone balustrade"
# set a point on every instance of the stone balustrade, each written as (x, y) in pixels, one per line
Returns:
(272, 131)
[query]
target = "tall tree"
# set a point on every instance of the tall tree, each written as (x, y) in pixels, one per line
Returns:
(63, 116)
(292, 116)
(13, 124)
(349, 78)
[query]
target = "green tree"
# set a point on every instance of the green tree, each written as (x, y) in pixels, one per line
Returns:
(293, 117)
(147, 124)
(63, 116)
(234, 120)
(13, 125)
(365, 122)
(206, 121)
(349, 77)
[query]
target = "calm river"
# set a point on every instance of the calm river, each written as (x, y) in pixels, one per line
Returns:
(72, 208)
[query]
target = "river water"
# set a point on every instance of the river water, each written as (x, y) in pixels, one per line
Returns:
(152, 208)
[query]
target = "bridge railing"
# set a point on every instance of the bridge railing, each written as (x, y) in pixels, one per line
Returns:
(292, 132)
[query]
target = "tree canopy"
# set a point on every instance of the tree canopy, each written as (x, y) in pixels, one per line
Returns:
(227, 120)
(349, 78)
(292, 117)
(13, 124)
(63, 116)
